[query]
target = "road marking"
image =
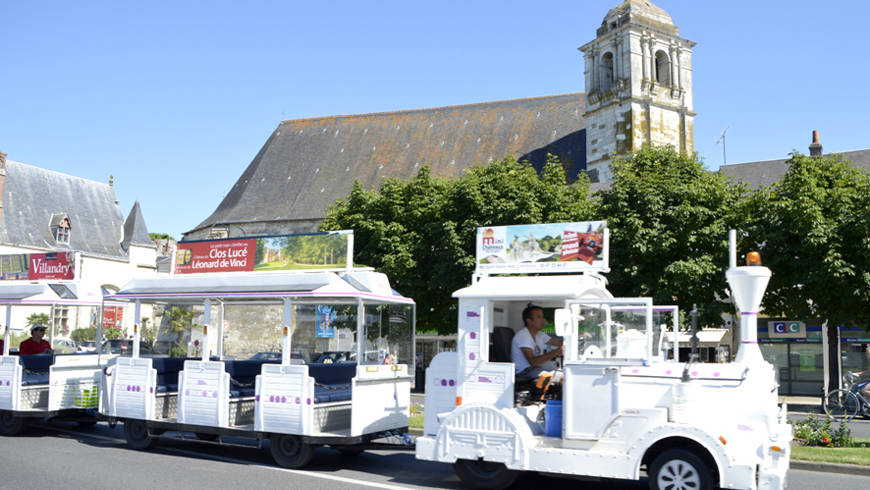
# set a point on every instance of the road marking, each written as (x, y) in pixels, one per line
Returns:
(240, 461)
(287, 470)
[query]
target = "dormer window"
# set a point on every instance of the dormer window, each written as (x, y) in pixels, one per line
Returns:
(61, 228)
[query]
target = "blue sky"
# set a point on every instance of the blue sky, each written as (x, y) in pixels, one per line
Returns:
(175, 98)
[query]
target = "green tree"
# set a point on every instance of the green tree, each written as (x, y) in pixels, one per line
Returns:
(35, 318)
(669, 221)
(814, 234)
(421, 233)
(180, 324)
(160, 236)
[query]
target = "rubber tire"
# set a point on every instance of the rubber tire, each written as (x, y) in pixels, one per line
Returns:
(666, 463)
(11, 425)
(136, 432)
(484, 474)
(842, 403)
(290, 451)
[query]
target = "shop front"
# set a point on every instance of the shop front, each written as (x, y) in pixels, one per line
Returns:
(795, 348)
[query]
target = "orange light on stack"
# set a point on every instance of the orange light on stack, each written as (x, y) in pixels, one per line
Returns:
(753, 258)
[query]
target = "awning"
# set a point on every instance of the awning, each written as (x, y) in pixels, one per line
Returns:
(50, 293)
(708, 337)
(536, 288)
(241, 286)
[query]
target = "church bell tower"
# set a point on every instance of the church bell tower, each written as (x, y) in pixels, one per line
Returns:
(638, 86)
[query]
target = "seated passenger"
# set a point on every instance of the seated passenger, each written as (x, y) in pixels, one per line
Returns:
(35, 344)
(528, 348)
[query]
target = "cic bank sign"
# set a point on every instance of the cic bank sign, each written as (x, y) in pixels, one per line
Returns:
(786, 329)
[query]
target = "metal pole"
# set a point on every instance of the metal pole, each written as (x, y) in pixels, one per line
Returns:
(694, 315)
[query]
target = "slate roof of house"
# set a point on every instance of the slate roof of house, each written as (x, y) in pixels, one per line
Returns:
(766, 173)
(32, 196)
(135, 231)
(308, 164)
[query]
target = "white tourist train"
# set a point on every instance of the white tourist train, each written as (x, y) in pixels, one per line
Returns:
(332, 369)
(58, 385)
(625, 407)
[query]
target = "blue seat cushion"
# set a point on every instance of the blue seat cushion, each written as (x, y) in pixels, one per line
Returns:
(32, 379)
(243, 374)
(332, 382)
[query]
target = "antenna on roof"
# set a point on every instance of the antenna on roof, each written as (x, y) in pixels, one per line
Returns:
(722, 139)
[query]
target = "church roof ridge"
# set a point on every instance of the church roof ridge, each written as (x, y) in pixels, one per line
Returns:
(425, 109)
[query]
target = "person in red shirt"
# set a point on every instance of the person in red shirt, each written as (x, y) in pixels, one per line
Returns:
(35, 344)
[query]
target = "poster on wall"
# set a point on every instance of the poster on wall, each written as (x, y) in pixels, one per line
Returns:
(46, 266)
(272, 253)
(553, 247)
(325, 319)
(113, 317)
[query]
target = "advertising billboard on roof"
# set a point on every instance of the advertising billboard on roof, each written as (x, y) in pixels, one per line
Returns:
(552, 247)
(271, 253)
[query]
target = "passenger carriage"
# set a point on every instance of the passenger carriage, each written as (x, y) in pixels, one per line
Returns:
(350, 319)
(48, 385)
(624, 406)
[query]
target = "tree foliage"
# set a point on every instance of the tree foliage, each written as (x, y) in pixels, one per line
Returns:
(160, 236)
(41, 318)
(669, 219)
(421, 232)
(814, 232)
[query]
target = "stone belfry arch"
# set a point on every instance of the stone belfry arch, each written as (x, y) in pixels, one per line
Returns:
(638, 86)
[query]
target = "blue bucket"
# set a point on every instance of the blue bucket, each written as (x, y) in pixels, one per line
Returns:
(553, 418)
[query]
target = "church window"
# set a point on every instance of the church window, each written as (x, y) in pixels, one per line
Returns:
(663, 69)
(60, 228)
(606, 71)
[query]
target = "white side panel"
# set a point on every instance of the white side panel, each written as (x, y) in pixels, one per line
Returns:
(440, 390)
(381, 398)
(490, 383)
(131, 389)
(284, 399)
(74, 382)
(10, 382)
(203, 394)
(590, 400)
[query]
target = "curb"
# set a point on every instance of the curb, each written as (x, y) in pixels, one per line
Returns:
(848, 469)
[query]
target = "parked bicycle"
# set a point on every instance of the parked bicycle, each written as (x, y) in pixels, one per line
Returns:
(848, 402)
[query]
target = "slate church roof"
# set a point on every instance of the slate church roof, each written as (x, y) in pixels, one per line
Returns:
(33, 196)
(766, 173)
(135, 231)
(308, 164)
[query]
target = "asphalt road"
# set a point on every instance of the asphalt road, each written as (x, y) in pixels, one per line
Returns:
(59, 455)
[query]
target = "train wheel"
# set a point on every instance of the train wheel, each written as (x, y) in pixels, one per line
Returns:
(10, 425)
(679, 469)
(136, 432)
(290, 451)
(484, 474)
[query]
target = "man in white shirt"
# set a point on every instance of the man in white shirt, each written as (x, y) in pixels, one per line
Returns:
(529, 346)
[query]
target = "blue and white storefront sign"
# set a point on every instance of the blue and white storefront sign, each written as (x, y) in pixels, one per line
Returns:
(786, 329)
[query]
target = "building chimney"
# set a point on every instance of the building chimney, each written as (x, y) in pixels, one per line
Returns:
(2, 180)
(815, 146)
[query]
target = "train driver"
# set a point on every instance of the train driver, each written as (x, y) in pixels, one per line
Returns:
(529, 346)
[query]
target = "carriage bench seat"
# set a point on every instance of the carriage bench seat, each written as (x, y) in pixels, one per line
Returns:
(243, 375)
(167, 372)
(332, 382)
(36, 369)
